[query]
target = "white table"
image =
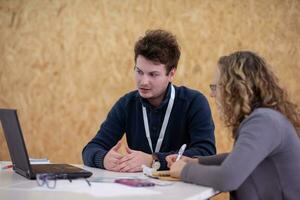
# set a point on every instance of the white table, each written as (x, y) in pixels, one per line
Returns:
(14, 186)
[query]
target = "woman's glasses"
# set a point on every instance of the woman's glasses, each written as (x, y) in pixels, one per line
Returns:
(49, 179)
(213, 87)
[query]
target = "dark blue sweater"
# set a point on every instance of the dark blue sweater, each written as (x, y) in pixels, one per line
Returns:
(190, 122)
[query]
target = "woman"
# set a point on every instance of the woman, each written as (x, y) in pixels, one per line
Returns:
(265, 160)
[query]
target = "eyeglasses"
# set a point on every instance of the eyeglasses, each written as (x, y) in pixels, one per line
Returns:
(49, 179)
(213, 87)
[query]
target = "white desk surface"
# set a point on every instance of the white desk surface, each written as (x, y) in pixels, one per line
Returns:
(15, 186)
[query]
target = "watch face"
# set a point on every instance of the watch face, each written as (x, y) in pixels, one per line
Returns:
(156, 165)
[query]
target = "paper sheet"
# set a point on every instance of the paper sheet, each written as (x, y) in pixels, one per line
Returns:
(97, 189)
(203, 195)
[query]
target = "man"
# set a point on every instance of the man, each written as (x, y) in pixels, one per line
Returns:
(157, 118)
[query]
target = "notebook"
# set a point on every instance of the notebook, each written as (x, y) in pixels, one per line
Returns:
(162, 175)
(19, 156)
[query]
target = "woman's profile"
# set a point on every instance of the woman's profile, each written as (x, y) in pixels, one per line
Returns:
(265, 160)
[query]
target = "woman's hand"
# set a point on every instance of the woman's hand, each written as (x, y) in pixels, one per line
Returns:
(176, 168)
(172, 158)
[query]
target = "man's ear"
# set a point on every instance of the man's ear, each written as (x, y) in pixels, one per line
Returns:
(172, 74)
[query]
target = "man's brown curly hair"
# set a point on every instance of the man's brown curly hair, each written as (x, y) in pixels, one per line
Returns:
(159, 46)
(247, 83)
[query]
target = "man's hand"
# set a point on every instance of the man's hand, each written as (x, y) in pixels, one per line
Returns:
(171, 159)
(176, 168)
(133, 161)
(112, 158)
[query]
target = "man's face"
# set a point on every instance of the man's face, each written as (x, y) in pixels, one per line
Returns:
(152, 79)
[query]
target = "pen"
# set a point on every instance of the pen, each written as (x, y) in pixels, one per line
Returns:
(7, 167)
(180, 152)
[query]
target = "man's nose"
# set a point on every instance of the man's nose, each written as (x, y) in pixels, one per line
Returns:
(144, 80)
(213, 93)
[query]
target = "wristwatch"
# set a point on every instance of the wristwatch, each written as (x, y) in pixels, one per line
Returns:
(155, 163)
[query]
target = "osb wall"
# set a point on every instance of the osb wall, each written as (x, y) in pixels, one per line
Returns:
(64, 63)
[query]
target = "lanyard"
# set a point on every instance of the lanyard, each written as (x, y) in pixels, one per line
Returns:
(164, 125)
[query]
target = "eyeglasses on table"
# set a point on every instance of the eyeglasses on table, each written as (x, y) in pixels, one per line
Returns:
(49, 179)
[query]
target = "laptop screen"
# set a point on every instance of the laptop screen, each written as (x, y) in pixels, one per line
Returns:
(15, 141)
(19, 155)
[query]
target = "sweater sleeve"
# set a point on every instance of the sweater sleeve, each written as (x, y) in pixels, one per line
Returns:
(110, 132)
(257, 138)
(212, 160)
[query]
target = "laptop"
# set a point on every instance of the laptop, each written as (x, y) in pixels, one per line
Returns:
(19, 156)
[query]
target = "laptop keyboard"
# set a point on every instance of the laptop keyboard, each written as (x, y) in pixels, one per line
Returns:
(54, 168)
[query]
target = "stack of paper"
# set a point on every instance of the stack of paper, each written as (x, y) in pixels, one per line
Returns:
(39, 161)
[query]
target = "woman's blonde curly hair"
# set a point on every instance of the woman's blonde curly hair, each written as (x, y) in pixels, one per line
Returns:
(247, 83)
